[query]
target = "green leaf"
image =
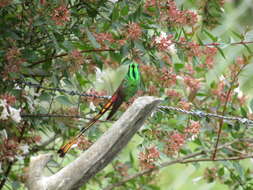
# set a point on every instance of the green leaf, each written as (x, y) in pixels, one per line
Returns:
(45, 97)
(221, 171)
(124, 50)
(212, 37)
(64, 100)
(125, 10)
(221, 52)
(248, 48)
(139, 45)
(131, 158)
(15, 185)
(240, 36)
(67, 45)
(115, 14)
(92, 39)
(251, 104)
(199, 40)
(178, 66)
(243, 112)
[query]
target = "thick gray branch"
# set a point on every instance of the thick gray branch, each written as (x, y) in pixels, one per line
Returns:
(102, 152)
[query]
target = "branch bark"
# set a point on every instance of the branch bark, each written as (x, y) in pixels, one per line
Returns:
(101, 153)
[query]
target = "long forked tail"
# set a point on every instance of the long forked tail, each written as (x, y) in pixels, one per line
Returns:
(65, 148)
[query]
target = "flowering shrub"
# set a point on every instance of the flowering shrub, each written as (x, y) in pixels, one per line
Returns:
(187, 55)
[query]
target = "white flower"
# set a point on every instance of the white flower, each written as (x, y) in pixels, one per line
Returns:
(99, 74)
(163, 41)
(4, 114)
(113, 1)
(172, 49)
(193, 137)
(179, 78)
(92, 106)
(163, 35)
(3, 134)
(158, 39)
(195, 180)
(239, 92)
(15, 114)
(24, 148)
(19, 157)
(3, 103)
(222, 78)
(9, 111)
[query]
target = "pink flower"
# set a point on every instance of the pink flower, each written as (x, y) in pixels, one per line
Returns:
(185, 105)
(191, 48)
(94, 100)
(4, 3)
(192, 83)
(77, 57)
(43, 2)
(210, 53)
(150, 3)
(193, 128)
(14, 59)
(190, 69)
(61, 15)
(10, 99)
(168, 78)
(148, 157)
(178, 17)
(102, 38)
(134, 31)
(122, 168)
(175, 143)
(173, 93)
(164, 43)
(221, 93)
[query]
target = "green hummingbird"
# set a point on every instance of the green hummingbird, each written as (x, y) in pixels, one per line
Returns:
(126, 90)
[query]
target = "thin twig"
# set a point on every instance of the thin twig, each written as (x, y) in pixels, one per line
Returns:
(234, 43)
(182, 160)
(65, 54)
(58, 115)
(224, 110)
(10, 163)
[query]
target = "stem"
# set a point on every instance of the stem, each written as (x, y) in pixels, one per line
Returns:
(6, 173)
(182, 160)
(223, 112)
(65, 54)
(178, 161)
(5, 176)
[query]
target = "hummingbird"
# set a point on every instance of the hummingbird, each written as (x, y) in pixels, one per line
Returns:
(126, 90)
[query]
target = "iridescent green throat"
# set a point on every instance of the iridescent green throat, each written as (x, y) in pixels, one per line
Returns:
(133, 72)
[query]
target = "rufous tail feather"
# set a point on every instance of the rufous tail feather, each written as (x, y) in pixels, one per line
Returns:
(65, 148)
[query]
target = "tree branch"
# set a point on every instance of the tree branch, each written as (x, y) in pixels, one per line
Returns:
(65, 54)
(97, 156)
(182, 160)
(224, 111)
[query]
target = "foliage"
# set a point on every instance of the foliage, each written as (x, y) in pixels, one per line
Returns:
(186, 56)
